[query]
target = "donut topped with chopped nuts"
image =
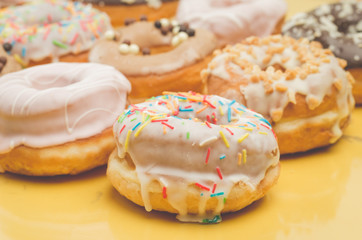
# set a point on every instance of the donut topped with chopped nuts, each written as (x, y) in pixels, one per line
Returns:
(143, 47)
(337, 26)
(296, 84)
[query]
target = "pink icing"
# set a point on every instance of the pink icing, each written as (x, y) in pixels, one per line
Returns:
(232, 20)
(57, 103)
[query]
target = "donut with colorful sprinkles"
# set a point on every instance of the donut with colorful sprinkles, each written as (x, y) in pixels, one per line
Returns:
(43, 31)
(194, 155)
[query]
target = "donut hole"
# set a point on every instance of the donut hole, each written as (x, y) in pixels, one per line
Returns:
(47, 82)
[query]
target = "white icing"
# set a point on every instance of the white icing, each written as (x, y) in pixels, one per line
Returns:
(56, 103)
(177, 157)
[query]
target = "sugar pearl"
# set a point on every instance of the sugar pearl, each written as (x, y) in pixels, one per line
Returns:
(176, 30)
(124, 48)
(164, 22)
(183, 36)
(134, 48)
(109, 35)
(175, 41)
(174, 23)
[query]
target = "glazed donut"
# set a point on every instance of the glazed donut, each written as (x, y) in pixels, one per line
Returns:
(122, 12)
(8, 63)
(194, 155)
(233, 20)
(57, 118)
(296, 84)
(338, 27)
(43, 31)
(135, 51)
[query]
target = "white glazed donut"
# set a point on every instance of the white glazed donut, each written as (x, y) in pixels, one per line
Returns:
(48, 30)
(194, 155)
(296, 84)
(233, 20)
(58, 105)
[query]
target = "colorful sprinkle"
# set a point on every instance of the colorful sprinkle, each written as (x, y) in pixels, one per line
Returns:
(243, 137)
(167, 125)
(122, 129)
(59, 44)
(264, 133)
(141, 128)
(239, 158)
(208, 141)
(127, 140)
(244, 155)
(224, 139)
(134, 128)
(219, 172)
(202, 186)
(222, 157)
(217, 194)
(213, 188)
(207, 155)
(188, 135)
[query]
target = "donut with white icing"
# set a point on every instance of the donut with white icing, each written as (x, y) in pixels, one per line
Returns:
(296, 84)
(57, 118)
(194, 155)
(156, 56)
(338, 27)
(233, 20)
(43, 31)
(123, 12)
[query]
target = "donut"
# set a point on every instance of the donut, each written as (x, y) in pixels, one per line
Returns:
(8, 63)
(43, 31)
(6, 3)
(338, 27)
(301, 88)
(124, 11)
(233, 20)
(193, 155)
(57, 118)
(156, 56)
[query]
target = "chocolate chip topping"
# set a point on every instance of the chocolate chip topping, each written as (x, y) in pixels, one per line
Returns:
(129, 21)
(146, 51)
(143, 18)
(164, 31)
(1, 67)
(3, 60)
(190, 32)
(158, 24)
(336, 26)
(7, 47)
(126, 41)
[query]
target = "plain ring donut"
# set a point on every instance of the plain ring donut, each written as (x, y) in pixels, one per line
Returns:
(338, 27)
(57, 118)
(296, 84)
(194, 155)
(43, 31)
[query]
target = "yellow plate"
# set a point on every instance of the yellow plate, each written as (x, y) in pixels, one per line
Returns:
(318, 196)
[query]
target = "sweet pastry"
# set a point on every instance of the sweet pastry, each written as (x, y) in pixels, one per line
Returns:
(338, 27)
(57, 118)
(8, 63)
(124, 11)
(301, 88)
(6, 3)
(43, 31)
(233, 20)
(156, 56)
(194, 155)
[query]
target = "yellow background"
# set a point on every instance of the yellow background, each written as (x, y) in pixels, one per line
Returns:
(318, 196)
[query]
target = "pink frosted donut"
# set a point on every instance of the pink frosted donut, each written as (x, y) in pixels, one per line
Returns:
(57, 118)
(233, 20)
